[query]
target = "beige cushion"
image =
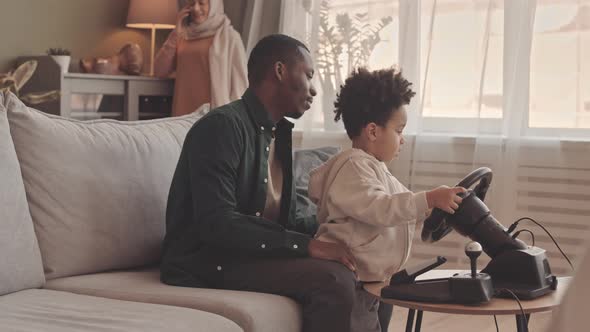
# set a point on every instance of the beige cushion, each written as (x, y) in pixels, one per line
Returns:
(20, 265)
(254, 312)
(46, 311)
(97, 190)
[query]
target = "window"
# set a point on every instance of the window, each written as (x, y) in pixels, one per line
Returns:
(560, 66)
(342, 35)
(463, 57)
(470, 60)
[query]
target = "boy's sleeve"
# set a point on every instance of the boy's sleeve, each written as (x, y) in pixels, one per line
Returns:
(359, 194)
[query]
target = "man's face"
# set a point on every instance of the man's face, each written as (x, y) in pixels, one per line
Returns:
(296, 91)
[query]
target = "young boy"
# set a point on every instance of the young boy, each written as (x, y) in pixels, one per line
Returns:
(360, 203)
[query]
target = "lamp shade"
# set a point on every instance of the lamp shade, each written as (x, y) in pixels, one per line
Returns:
(147, 14)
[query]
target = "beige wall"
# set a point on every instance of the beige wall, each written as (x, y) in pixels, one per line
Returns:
(85, 27)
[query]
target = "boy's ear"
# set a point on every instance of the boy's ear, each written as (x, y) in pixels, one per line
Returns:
(280, 71)
(371, 130)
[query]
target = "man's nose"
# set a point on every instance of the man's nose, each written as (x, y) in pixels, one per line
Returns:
(312, 90)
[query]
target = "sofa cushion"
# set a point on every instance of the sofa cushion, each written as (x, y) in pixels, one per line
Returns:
(20, 266)
(304, 161)
(97, 190)
(46, 311)
(252, 311)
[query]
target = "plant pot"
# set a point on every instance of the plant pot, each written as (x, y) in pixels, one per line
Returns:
(63, 61)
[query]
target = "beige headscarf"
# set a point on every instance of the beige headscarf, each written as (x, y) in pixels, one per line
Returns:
(214, 22)
(227, 57)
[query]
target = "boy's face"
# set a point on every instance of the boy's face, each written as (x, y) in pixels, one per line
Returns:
(389, 138)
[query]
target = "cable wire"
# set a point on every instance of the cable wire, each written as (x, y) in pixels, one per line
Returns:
(526, 320)
(524, 230)
(513, 226)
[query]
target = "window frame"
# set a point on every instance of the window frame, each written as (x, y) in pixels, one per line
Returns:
(516, 74)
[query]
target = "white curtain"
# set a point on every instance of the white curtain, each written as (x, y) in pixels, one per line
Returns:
(260, 19)
(501, 83)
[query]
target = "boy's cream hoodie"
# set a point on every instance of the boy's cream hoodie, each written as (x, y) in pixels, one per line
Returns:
(363, 206)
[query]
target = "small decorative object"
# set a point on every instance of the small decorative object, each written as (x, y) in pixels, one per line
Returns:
(14, 80)
(62, 56)
(152, 14)
(128, 61)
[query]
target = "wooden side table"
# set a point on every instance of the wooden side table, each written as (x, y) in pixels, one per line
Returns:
(130, 87)
(497, 306)
(48, 76)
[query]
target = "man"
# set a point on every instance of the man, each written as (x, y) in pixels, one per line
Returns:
(230, 217)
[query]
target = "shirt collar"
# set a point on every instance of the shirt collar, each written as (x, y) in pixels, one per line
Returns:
(260, 115)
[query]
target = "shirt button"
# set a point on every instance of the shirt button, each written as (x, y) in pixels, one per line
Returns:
(218, 268)
(258, 214)
(267, 148)
(261, 127)
(265, 180)
(263, 246)
(295, 246)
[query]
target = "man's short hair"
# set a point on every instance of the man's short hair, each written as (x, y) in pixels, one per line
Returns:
(371, 96)
(268, 51)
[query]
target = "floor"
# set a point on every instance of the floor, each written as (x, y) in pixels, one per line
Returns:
(464, 323)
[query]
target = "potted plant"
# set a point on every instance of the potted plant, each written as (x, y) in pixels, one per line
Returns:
(62, 56)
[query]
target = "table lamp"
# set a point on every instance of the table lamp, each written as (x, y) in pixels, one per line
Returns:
(152, 14)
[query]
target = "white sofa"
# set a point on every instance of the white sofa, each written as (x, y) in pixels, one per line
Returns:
(82, 216)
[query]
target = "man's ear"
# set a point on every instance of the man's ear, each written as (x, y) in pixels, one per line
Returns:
(280, 70)
(371, 130)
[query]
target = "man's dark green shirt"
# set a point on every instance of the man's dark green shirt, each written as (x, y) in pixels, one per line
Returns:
(218, 194)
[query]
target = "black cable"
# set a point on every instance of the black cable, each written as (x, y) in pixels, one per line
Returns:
(519, 304)
(513, 226)
(496, 321)
(524, 230)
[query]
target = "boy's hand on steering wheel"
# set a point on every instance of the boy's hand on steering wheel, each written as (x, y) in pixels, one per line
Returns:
(445, 198)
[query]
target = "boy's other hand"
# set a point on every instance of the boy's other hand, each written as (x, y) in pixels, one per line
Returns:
(331, 251)
(445, 198)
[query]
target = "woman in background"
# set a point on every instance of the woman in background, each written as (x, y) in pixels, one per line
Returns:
(207, 54)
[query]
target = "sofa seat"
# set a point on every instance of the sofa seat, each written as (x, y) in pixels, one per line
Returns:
(253, 312)
(47, 310)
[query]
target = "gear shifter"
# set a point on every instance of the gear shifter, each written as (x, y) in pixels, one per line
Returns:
(473, 249)
(472, 287)
(466, 287)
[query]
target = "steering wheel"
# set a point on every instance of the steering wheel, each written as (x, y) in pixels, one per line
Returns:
(436, 226)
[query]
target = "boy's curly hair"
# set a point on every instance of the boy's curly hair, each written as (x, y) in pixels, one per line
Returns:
(371, 96)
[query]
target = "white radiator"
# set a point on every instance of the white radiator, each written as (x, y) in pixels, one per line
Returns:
(546, 180)
(549, 182)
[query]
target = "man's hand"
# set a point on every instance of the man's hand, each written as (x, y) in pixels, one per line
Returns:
(331, 251)
(445, 198)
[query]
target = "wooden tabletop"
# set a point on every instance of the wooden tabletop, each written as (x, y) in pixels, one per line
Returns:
(496, 306)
